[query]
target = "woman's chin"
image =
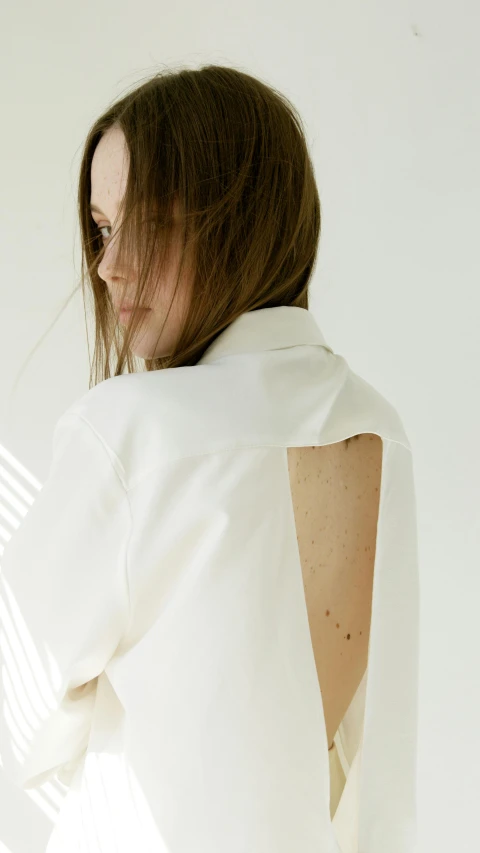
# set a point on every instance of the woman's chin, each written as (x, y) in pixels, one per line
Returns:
(149, 349)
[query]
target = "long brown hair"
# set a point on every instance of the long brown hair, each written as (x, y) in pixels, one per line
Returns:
(233, 150)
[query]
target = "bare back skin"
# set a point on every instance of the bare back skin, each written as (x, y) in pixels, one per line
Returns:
(335, 493)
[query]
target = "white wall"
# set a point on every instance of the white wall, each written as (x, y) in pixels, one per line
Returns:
(389, 95)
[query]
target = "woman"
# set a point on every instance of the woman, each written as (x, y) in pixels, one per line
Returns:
(210, 613)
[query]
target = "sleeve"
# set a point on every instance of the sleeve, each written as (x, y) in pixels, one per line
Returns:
(64, 606)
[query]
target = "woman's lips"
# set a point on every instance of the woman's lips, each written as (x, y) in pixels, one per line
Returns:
(125, 312)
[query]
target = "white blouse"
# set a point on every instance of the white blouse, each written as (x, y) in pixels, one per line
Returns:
(155, 648)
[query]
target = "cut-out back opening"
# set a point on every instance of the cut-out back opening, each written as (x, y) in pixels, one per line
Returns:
(335, 492)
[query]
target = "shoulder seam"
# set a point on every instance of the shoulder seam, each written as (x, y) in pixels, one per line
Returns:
(114, 460)
(119, 471)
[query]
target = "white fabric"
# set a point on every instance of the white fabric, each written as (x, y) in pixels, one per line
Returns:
(155, 647)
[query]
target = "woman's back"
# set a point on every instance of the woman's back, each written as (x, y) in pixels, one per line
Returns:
(176, 600)
(335, 493)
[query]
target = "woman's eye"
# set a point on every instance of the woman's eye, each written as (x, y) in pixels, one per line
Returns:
(101, 229)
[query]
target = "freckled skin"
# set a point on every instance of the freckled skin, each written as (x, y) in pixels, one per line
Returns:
(335, 494)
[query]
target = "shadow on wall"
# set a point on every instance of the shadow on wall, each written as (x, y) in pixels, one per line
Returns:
(26, 817)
